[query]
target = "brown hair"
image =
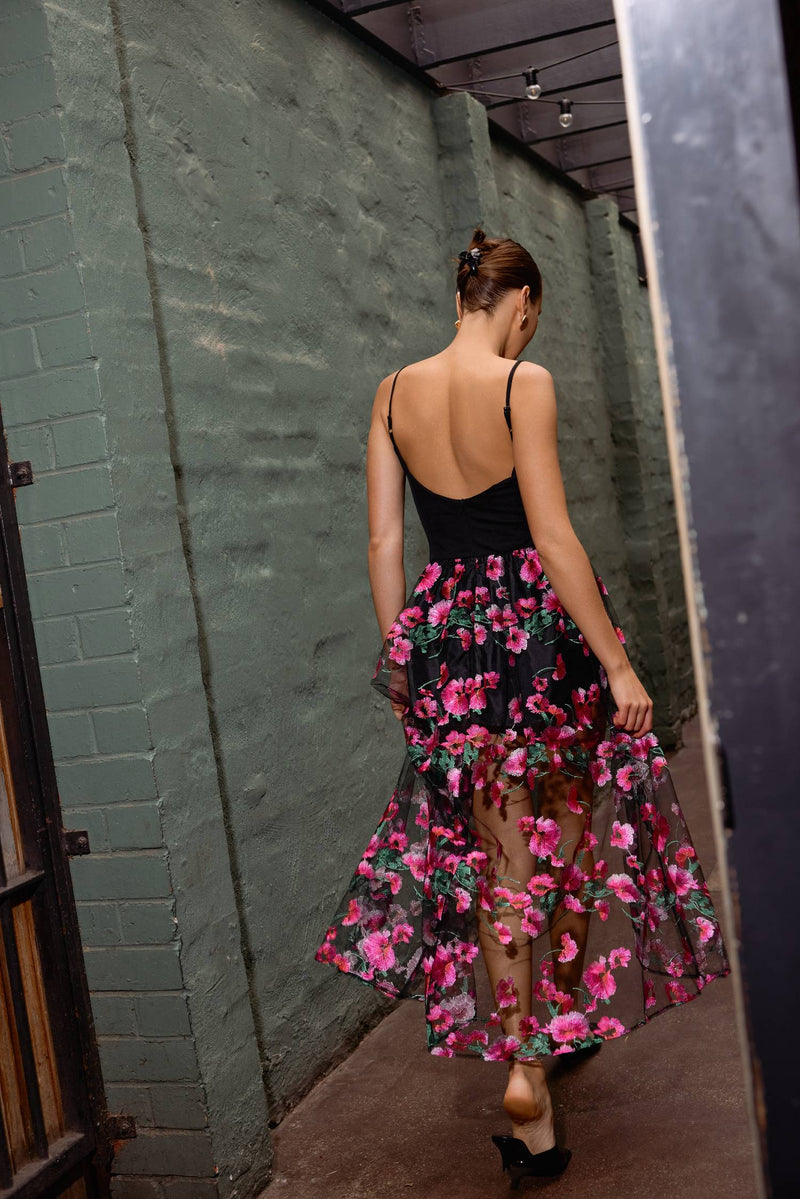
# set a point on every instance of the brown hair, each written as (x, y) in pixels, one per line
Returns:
(503, 264)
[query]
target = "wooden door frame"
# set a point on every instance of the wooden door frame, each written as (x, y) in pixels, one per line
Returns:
(85, 1152)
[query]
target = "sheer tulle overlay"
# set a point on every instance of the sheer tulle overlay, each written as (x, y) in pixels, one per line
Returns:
(532, 879)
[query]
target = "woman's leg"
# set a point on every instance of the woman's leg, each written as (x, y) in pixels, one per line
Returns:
(507, 950)
(554, 792)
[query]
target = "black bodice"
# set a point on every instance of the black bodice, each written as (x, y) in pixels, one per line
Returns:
(491, 522)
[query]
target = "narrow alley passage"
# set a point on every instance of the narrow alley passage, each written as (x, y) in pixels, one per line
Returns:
(659, 1112)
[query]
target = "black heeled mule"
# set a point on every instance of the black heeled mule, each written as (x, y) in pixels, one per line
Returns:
(521, 1163)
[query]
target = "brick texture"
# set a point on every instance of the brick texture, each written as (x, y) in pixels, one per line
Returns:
(53, 411)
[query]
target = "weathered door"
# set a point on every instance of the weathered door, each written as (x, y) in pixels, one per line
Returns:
(52, 1116)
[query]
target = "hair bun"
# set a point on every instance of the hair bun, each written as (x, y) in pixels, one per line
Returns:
(479, 235)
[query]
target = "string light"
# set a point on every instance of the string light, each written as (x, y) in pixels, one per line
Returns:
(533, 89)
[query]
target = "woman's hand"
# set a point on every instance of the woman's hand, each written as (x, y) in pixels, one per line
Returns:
(398, 686)
(635, 707)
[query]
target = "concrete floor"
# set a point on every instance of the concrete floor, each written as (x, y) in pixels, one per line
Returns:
(659, 1113)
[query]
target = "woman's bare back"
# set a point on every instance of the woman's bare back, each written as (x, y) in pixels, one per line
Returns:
(448, 424)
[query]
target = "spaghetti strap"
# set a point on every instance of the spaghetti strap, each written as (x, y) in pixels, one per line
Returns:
(507, 409)
(389, 419)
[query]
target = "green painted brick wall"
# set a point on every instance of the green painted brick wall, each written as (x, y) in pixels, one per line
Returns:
(190, 365)
(55, 409)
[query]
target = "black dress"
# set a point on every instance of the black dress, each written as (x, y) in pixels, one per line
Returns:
(532, 878)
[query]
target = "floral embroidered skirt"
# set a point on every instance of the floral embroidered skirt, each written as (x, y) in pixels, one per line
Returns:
(532, 879)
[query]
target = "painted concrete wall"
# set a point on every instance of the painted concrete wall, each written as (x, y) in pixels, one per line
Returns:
(253, 227)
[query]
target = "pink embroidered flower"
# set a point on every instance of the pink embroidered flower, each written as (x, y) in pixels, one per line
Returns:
(494, 566)
(540, 884)
(551, 602)
(569, 948)
(515, 762)
(707, 929)
(454, 698)
(603, 908)
(571, 1026)
(531, 569)
(660, 832)
(623, 777)
(516, 640)
(676, 992)
(411, 616)
(377, 949)
(415, 860)
(440, 967)
(599, 979)
(504, 934)
(454, 742)
(681, 881)
(600, 773)
(622, 835)
(560, 669)
(658, 766)
(428, 577)
(400, 651)
(533, 922)
(501, 1049)
(506, 993)
(573, 802)
(622, 887)
(353, 912)
(609, 1026)
(476, 693)
(545, 837)
(572, 877)
(619, 957)
(402, 932)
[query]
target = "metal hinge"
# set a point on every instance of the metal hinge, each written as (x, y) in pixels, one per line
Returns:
(20, 474)
(120, 1128)
(76, 841)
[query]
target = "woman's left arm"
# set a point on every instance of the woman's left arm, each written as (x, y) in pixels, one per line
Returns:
(385, 506)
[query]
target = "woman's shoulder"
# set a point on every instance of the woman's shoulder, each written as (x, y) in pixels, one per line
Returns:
(384, 387)
(527, 372)
(534, 372)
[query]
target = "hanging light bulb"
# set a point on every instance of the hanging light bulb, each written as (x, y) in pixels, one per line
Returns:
(565, 116)
(533, 90)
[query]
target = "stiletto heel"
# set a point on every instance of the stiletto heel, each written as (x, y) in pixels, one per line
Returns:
(520, 1163)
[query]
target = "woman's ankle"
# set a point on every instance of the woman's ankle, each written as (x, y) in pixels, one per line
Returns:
(527, 1098)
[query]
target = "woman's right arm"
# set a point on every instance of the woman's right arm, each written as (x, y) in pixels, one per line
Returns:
(563, 558)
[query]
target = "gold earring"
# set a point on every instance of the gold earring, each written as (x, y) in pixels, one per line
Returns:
(524, 321)
(457, 323)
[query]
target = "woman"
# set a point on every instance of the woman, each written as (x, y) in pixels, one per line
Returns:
(534, 830)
